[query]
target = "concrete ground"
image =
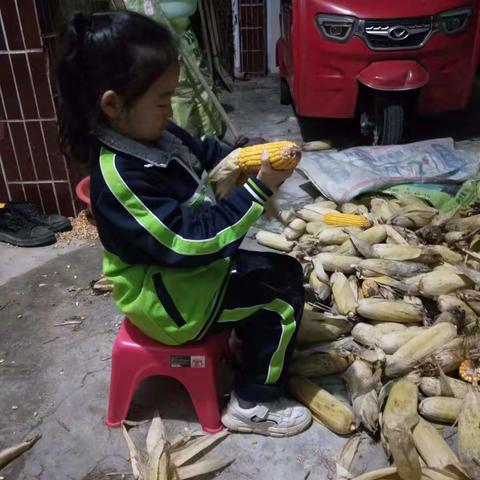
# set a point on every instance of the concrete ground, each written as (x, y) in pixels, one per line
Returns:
(54, 378)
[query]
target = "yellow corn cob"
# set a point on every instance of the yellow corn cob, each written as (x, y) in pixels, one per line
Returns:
(469, 371)
(282, 156)
(325, 408)
(346, 220)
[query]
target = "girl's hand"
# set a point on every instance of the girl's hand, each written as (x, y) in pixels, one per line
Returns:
(270, 177)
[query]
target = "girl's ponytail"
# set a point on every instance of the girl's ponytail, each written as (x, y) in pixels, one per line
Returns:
(75, 125)
(120, 51)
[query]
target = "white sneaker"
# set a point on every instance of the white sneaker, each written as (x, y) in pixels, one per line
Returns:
(280, 418)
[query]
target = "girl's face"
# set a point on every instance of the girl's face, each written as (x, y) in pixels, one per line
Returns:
(146, 119)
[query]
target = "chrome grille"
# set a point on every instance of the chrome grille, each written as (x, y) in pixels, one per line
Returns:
(396, 34)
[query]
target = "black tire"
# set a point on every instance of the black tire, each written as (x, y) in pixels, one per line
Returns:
(285, 95)
(389, 121)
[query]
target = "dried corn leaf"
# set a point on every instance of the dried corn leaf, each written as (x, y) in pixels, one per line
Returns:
(196, 447)
(10, 453)
(202, 468)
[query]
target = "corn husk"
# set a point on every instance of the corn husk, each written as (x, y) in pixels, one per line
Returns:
(319, 364)
(390, 311)
(372, 235)
(463, 224)
(361, 384)
(335, 235)
(450, 356)
(405, 253)
(320, 327)
(274, 241)
(399, 418)
(295, 229)
(469, 434)
(432, 387)
(419, 348)
(440, 282)
(320, 289)
(353, 208)
(452, 304)
(383, 328)
(314, 228)
(413, 218)
(472, 298)
(454, 318)
(343, 295)
(391, 268)
(391, 342)
(365, 334)
(286, 216)
(432, 447)
(325, 408)
(314, 212)
(447, 254)
(321, 202)
(333, 262)
(441, 409)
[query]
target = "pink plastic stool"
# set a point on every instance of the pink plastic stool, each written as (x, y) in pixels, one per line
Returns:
(136, 356)
(82, 190)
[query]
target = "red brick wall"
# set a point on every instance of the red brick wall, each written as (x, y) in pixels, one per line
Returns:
(32, 167)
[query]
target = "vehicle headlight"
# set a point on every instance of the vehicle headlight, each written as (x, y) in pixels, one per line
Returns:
(454, 21)
(336, 27)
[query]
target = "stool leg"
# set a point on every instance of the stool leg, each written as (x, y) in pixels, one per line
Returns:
(123, 381)
(204, 396)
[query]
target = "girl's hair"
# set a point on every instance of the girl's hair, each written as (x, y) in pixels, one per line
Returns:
(121, 51)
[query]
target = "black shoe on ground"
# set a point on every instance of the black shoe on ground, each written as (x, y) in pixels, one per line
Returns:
(17, 231)
(56, 223)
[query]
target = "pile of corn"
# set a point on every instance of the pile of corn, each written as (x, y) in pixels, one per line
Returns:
(392, 307)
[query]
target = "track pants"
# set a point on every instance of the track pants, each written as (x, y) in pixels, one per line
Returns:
(263, 304)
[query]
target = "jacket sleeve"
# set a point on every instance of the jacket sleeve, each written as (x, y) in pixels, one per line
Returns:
(168, 233)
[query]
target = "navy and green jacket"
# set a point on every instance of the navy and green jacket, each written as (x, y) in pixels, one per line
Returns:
(167, 242)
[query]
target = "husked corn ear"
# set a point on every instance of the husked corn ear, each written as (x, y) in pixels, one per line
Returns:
(399, 418)
(432, 387)
(274, 240)
(390, 310)
(319, 364)
(325, 408)
(469, 433)
(346, 220)
(432, 447)
(282, 156)
(441, 409)
(419, 348)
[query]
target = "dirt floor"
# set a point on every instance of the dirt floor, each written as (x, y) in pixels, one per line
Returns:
(56, 338)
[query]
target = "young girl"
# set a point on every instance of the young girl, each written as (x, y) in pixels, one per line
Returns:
(170, 250)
